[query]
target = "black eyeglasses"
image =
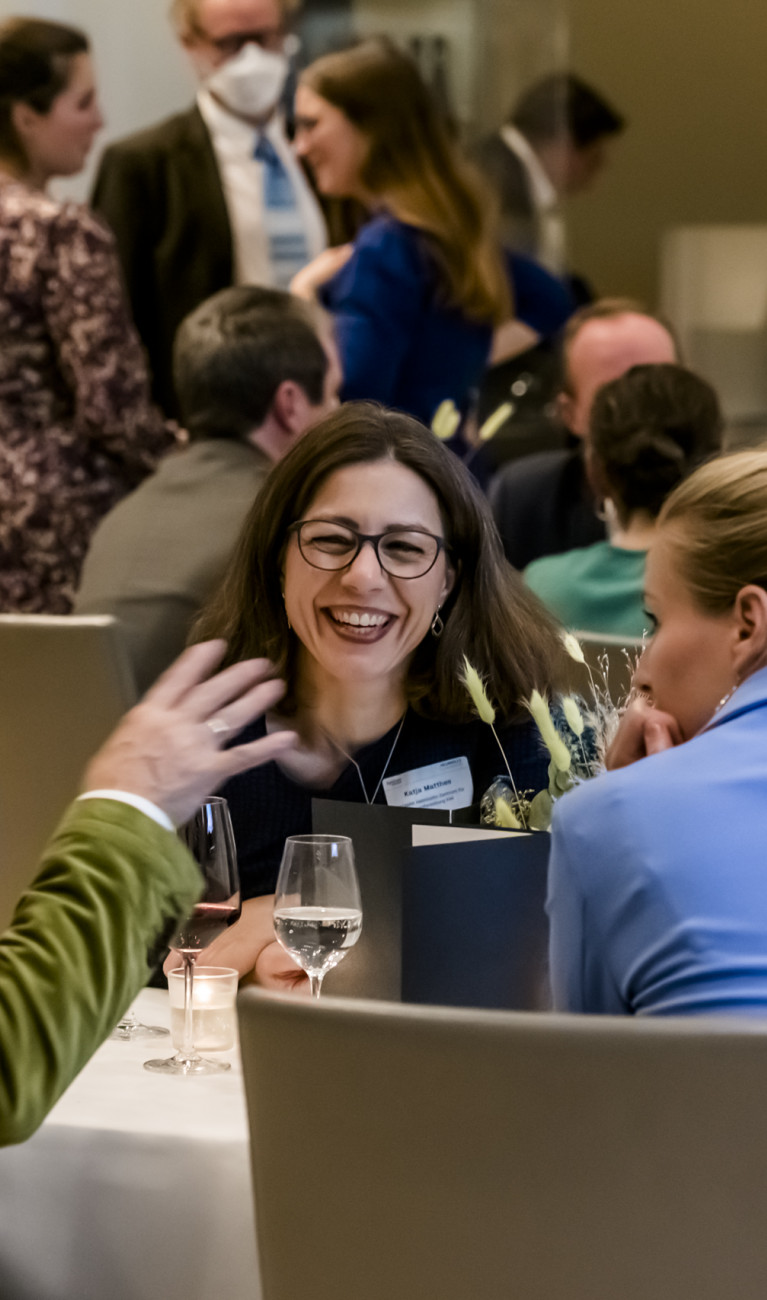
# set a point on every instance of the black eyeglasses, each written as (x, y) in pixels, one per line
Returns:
(401, 552)
(228, 46)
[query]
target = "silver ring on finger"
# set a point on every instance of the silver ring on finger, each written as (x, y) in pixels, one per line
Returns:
(218, 726)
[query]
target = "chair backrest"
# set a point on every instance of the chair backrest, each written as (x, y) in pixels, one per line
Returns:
(64, 682)
(403, 1151)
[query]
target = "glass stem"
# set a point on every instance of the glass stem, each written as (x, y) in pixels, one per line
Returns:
(315, 982)
(188, 1049)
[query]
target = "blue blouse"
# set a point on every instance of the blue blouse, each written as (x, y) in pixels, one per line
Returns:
(399, 343)
(658, 877)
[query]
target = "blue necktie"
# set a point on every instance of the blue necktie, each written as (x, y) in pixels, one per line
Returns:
(288, 249)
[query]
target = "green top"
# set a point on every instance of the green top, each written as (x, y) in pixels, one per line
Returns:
(111, 887)
(593, 589)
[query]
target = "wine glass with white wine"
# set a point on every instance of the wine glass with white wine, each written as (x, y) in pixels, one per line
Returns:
(317, 908)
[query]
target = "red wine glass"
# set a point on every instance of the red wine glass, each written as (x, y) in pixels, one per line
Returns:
(210, 839)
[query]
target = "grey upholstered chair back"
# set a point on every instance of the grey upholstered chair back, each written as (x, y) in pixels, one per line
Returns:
(414, 1153)
(64, 682)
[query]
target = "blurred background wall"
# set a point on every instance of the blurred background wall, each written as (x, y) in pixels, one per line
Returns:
(691, 76)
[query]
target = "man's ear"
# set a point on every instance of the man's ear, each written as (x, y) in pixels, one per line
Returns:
(289, 407)
(750, 614)
(565, 407)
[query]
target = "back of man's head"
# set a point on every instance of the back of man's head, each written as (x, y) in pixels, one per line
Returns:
(232, 353)
(603, 341)
(561, 103)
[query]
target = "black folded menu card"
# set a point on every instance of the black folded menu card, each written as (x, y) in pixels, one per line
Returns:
(453, 924)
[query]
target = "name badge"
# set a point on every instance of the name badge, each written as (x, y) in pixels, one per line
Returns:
(440, 785)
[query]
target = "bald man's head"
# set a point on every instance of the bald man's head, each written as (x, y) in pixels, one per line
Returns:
(601, 345)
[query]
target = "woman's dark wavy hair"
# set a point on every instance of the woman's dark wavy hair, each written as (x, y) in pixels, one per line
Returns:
(490, 616)
(34, 69)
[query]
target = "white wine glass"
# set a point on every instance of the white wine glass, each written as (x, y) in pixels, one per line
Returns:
(317, 907)
(210, 839)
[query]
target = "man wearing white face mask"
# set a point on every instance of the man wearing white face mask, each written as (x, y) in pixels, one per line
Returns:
(214, 196)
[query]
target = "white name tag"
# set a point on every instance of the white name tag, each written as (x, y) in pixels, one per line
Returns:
(440, 785)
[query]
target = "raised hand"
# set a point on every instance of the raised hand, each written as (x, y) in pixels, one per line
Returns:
(169, 748)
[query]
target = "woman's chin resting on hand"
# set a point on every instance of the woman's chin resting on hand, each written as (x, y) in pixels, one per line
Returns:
(643, 730)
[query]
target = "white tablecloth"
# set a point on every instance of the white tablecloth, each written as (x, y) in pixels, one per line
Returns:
(137, 1187)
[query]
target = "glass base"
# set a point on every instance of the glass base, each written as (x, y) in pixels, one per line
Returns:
(180, 1064)
(129, 1029)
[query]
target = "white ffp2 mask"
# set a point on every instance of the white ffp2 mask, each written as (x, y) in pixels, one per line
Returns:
(251, 83)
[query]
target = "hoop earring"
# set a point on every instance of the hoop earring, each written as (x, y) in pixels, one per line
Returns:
(437, 626)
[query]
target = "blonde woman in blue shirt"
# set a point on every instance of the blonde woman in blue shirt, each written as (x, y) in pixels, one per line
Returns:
(657, 894)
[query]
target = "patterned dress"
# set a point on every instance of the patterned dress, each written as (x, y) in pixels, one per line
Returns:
(77, 428)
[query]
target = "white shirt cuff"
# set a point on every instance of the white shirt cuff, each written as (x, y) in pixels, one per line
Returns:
(136, 801)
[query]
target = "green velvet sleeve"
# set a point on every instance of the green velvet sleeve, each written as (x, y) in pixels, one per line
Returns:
(111, 885)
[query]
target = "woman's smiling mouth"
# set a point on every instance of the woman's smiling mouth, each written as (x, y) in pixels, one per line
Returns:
(359, 624)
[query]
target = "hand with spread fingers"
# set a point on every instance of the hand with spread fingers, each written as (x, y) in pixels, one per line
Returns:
(169, 748)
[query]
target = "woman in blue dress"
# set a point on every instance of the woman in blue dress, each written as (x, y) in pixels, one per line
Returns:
(416, 299)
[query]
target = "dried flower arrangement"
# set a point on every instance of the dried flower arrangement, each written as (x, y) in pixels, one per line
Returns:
(576, 735)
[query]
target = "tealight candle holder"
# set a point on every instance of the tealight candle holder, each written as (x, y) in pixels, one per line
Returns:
(214, 993)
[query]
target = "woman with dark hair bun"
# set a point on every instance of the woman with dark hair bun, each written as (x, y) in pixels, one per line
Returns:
(368, 568)
(77, 429)
(648, 430)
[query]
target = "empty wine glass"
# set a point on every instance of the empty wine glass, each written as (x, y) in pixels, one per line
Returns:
(130, 1027)
(317, 908)
(210, 839)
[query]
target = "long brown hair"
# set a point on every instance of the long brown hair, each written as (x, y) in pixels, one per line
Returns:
(490, 616)
(417, 171)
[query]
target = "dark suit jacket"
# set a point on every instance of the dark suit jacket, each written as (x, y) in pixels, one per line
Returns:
(510, 181)
(161, 193)
(543, 505)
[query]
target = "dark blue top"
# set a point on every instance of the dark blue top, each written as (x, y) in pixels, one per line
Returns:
(657, 878)
(399, 343)
(267, 806)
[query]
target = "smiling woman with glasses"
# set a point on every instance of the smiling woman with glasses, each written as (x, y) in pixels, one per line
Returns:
(369, 566)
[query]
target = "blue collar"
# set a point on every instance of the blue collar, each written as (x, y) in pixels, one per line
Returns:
(751, 695)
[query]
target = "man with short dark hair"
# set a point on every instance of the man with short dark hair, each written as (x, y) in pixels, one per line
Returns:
(543, 504)
(213, 196)
(553, 145)
(255, 368)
